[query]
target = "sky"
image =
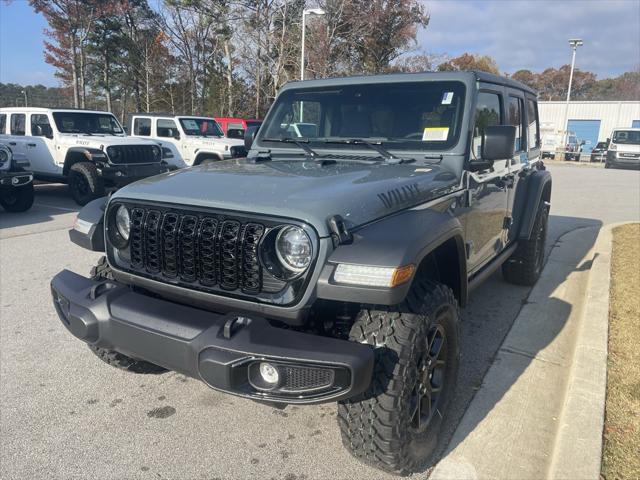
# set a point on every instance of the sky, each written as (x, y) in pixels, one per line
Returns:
(531, 34)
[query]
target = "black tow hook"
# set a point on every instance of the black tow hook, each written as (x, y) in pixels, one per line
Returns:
(233, 324)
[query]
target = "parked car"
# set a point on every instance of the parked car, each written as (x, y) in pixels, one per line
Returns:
(16, 181)
(599, 152)
(573, 148)
(624, 148)
(551, 140)
(329, 269)
(84, 148)
(192, 140)
(235, 127)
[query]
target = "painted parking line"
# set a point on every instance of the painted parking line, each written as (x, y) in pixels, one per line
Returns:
(55, 208)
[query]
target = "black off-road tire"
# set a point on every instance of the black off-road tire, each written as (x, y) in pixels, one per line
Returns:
(102, 271)
(85, 184)
(526, 263)
(379, 427)
(17, 199)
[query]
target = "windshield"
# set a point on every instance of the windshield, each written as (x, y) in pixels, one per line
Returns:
(628, 137)
(201, 126)
(601, 145)
(419, 116)
(84, 122)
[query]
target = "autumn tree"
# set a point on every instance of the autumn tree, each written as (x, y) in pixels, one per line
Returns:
(467, 61)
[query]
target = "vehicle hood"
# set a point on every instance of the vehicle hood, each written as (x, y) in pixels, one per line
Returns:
(98, 141)
(297, 189)
(214, 142)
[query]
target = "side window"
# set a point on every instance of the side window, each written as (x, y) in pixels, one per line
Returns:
(488, 113)
(166, 128)
(516, 118)
(534, 124)
(17, 123)
(40, 126)
(3, 123)
(142, 127)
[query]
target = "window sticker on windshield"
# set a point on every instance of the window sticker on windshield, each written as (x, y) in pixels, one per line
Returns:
(447, 98)
(435, 134)
(190, 124)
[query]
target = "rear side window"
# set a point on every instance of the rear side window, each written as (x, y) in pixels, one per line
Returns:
(166, 128)
(488, 113)
(142, 127)
(516, 118)
(534, 125)
(3, 123)
(17, 123)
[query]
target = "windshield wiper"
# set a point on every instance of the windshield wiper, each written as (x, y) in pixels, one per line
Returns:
(373, 145)
(300, 143)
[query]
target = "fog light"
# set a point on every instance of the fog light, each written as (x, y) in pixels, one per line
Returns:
(269, 373)
(15, 180)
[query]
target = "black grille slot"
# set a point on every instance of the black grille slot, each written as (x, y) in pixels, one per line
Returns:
(306, 378)
(209, 252)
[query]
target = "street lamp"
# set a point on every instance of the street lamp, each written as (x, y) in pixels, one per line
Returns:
(575, 43)
(24, 92)
(305, 12)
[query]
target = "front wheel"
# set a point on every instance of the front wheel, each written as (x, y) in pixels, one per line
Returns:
(85, 183)
(17, 199)
(395, 424)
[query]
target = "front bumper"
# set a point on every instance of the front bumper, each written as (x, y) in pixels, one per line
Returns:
(617, 160)
(15, 179)
(121, 175)
(223, 351)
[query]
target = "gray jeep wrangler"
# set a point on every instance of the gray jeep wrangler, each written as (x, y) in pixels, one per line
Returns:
(331, 263)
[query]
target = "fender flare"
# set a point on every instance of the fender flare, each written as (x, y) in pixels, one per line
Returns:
(88, 229)
(538, 189)
(399, 240)
(199, 153)
(73, 155)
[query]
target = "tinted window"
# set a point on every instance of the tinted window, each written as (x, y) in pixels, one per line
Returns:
(488, 113)
(166, 128)
(86, 122)
(3, 123)
(201, 126)
(40, 126)
(17, 123)
(516, 118)
(142, 127)
(629, 137)
(534, 126)
(420, 116)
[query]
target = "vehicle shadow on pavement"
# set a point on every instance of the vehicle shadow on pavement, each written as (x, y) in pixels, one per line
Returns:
(489, 318)
(51, 201)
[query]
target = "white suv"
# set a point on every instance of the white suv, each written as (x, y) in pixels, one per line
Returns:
(86, 149)
(192, 140)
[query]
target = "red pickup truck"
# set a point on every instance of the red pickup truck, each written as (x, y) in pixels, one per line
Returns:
(235, 127)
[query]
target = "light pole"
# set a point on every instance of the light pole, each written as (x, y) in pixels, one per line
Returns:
(575, 43)
(305, 12)
(24, 92)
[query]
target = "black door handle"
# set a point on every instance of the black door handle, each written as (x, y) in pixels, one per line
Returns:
(31, 144)
(12, 143)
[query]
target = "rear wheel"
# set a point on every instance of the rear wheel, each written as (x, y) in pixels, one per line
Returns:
(102, 271)
(17, 199)
(394, 425)
(525, 265)
(85, 183)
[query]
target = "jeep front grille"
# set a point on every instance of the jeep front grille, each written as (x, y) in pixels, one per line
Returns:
(208, 252)
(124, 154)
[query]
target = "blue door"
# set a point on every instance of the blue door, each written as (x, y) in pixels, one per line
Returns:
(635, 124)
(587, 131)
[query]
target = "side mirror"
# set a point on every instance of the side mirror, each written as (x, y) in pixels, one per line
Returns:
(249, 135)
(38, 131)
(176, 135)
(582, 142)
(126, 129)
(498, 142)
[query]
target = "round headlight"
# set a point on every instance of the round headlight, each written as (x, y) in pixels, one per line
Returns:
(123, 222)
(4, 155)
(293, 248)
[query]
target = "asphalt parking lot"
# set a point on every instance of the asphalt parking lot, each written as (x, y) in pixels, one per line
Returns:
(65, 414)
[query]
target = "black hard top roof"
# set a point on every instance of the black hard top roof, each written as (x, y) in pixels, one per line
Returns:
(465, 76)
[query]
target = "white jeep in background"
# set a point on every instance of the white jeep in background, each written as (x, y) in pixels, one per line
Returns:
(192, 140)
(86, 149)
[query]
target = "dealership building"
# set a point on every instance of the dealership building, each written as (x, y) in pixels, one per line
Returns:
(590, 121)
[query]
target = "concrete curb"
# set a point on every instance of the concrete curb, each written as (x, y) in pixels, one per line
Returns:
(578, 448)
(540, 410)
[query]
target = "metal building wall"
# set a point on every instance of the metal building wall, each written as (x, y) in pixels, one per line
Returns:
(610, 114)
